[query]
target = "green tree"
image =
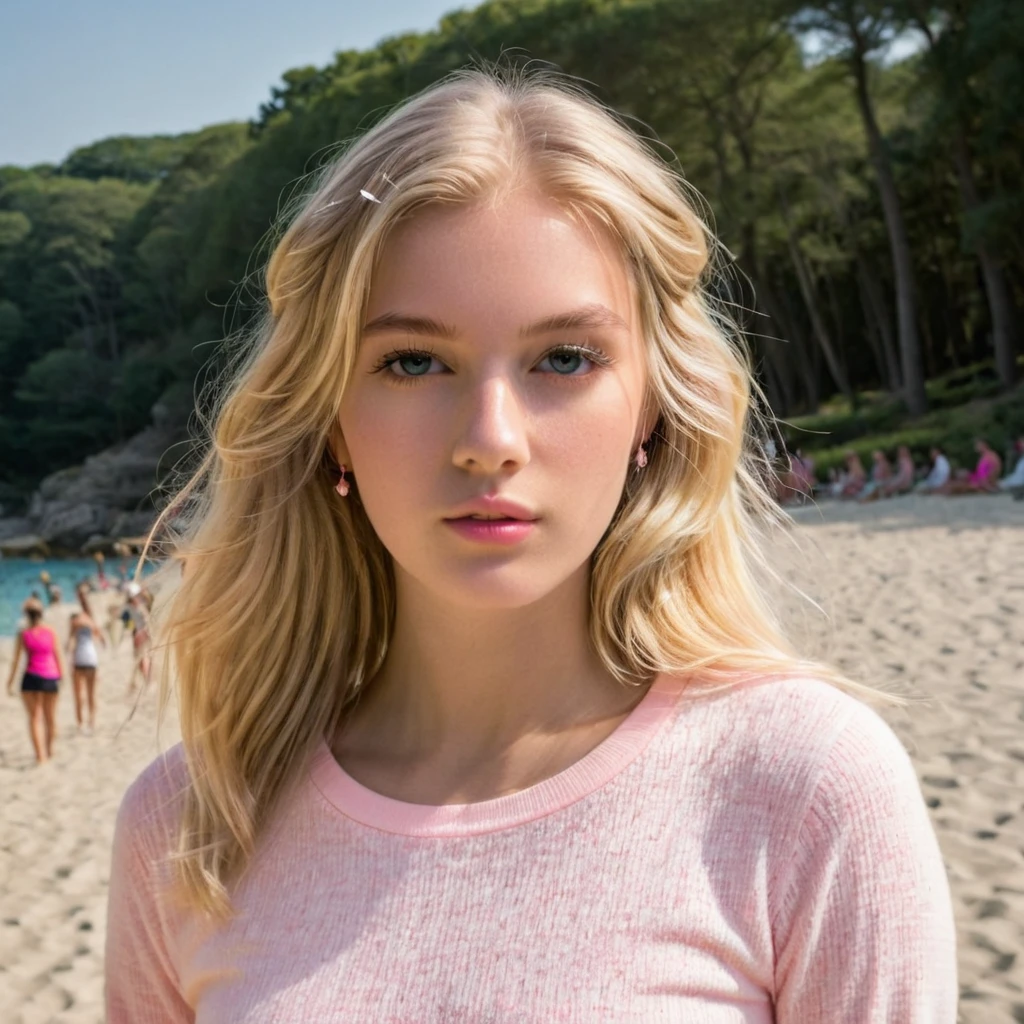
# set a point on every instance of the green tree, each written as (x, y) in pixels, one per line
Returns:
(856, 30)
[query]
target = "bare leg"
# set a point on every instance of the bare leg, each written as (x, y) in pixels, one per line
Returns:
(50, 717)
(78, 683)
(90, 690)
(34, 709)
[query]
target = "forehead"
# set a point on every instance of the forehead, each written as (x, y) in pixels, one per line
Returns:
(519, 258)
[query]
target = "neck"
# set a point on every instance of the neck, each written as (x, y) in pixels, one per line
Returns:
(464, 685)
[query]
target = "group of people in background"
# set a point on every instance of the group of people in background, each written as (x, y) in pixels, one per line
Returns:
(45, 666)
(797, 481)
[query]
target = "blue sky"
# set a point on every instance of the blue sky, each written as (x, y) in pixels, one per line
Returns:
(74, 71)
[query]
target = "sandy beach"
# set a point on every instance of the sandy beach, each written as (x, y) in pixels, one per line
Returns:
(925, 596)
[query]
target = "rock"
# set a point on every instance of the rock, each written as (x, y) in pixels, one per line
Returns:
(112, 494)
(132, 524)
(19, 547)
(68, 524)
(14, 527)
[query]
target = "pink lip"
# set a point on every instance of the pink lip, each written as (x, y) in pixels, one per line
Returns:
(516, 524)
(492, 505)
(492, 531)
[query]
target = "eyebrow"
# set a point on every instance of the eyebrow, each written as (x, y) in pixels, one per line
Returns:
(591, 316)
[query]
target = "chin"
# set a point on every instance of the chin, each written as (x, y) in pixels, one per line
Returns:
(493, 587)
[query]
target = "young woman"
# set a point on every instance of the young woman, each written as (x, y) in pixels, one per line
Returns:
(82, 638)
(483, 715)
(985, 477)
(881, 474)
(853, 479)
(136, 613)
(40, 685)
(938, 475)
(902, 481)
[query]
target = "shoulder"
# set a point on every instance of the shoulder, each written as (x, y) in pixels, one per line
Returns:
(792, 744)
(770, 715)
(828, 762)
(151, 808)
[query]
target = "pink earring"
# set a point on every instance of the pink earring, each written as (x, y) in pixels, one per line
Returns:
(342, 485)
(641, 457)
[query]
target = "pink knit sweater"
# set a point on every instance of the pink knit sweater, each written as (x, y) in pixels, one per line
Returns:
(759, 855)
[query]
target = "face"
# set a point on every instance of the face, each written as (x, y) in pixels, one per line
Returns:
(501, 359)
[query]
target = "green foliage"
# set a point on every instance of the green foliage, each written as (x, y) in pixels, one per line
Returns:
(63, 394)
(811, 433)
(120, 268)
(954, 431)
(128, 157)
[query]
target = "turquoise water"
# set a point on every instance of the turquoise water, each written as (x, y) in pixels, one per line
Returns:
(20, 576)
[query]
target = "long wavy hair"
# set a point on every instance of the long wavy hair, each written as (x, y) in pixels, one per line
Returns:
(286, 605)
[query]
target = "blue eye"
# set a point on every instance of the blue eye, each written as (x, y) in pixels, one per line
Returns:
(413, 364)
(408, 363)
(569, 360)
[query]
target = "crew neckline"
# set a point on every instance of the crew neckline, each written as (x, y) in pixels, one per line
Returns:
(592, 771)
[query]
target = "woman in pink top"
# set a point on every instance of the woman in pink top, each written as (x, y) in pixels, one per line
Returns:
(483, 714)
(40, 683)
(984, 478)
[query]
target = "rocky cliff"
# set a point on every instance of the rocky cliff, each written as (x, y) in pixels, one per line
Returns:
(86, 508)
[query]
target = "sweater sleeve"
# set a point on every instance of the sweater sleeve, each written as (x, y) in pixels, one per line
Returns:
(863, 927)
(141, 979)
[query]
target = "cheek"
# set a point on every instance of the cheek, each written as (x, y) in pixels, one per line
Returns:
(587, 450)
(392, 450)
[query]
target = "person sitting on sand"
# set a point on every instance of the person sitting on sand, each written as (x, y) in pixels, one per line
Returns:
(40, 685)
(902, 481)
(805, 469)
(984, 479)
(851, 481)
(81, 645)
(881, 474)
(1014, 481)
(796, 484)
(938, 475)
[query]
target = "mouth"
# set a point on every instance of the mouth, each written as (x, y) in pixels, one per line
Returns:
(478, 517)
(491, 508)
(482, 528)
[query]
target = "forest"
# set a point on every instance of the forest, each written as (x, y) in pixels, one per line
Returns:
(862, 164)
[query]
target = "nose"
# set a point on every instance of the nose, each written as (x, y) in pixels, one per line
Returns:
(493, 435)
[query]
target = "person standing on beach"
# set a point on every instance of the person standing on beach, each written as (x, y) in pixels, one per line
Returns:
(82, 593)
(102, 583)
(53, 592)
(484, 715)
(82, 639)
(40, 685)
(136, 613)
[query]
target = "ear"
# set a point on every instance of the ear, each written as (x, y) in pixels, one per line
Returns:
(648, 419)
(336, 445)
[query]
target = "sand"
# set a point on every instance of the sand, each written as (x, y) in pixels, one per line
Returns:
(926, 595)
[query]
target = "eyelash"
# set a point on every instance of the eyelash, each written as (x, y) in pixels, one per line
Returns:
(591, 352)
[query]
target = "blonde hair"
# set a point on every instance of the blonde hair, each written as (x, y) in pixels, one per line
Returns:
(286, 608)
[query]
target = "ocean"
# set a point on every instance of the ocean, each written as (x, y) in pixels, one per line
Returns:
(20, 576)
